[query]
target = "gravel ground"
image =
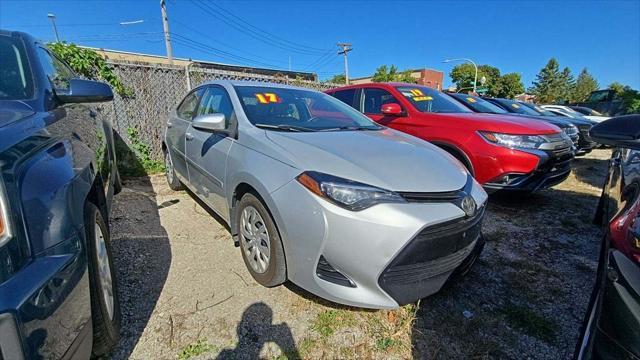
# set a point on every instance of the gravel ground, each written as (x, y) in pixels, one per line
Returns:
(185, 292)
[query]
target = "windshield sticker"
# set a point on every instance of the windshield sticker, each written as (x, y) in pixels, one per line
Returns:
(267, 98)
(422, 98)
(471, 100)
(515, 106)
(417, 92)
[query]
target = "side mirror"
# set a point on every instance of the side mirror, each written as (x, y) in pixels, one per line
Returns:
(209, 122)
(85, 91)
(391, 109)
(620, 131)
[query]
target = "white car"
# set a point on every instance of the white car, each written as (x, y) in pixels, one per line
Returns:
(562, 110)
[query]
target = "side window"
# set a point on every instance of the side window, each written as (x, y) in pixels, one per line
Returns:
(58, 72)
(346, 96)
(373, 99)
(187, 109)
(216, 101)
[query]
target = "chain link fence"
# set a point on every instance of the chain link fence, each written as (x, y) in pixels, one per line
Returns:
(157, 89)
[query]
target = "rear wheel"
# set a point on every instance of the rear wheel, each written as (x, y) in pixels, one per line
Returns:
(105, 306)
(260, 242)
(170, 172)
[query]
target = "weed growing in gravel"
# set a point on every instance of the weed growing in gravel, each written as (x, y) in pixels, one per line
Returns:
(195, 349)
(530, 322)
(327, 322)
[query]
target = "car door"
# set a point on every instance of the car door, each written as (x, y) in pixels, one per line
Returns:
(207, 151)
(179, 121)
(371, 101)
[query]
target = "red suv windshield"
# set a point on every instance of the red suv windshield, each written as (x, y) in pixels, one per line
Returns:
(425, 99)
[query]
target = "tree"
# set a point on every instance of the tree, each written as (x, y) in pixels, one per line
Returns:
(630, 97)
(383, 74)
(508, 86)
(338, 79)
(463, 75)
(548, 86)
(566, 84)
(585, 84)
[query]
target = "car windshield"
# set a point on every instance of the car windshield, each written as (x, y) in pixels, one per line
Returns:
(478, 104)
(519, 108)
(16, 82)
(288, 109)
(425, 99)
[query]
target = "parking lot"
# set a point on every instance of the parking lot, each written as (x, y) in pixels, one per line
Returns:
(185, 291)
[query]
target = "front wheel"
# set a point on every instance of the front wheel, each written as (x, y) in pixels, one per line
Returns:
(105, 306)
(170, 172)
(260, 242)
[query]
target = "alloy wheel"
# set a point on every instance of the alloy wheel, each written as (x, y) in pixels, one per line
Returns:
(104, 270)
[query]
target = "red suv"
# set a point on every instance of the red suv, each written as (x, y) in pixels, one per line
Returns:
(501, 151)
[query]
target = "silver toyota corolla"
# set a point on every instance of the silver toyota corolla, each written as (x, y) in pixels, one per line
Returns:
(316, 193)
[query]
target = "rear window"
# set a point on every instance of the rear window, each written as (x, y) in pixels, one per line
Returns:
(16, 81)
(425, 99)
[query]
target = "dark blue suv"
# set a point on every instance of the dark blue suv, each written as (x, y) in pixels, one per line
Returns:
(58, 295)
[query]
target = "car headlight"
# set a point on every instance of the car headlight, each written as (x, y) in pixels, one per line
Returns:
(571, 130)
(348, 194)
(514, 141)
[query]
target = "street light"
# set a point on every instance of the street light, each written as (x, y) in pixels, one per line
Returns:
(475, 79)
(52, 17)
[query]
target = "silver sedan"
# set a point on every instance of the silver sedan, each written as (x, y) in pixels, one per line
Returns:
(316, 193)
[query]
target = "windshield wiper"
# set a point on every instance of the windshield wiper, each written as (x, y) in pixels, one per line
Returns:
(284, 127)
(350, 127)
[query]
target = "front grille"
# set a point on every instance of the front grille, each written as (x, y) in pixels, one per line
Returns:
(326, 272)
(433, 253)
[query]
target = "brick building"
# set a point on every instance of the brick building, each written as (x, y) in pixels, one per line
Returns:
(428, 77)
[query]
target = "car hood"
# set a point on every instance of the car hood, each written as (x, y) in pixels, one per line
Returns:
(557, 121)
(386, 158)
(503, 123)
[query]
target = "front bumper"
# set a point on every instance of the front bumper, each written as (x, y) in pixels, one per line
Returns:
(585, 143)
(553, 168)
(366, 246)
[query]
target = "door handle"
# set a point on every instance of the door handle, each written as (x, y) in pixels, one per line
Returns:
(169, 124)
(188, 136)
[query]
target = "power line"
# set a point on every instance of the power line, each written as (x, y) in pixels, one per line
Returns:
(208, 36)
(252, 33)
(262, 31)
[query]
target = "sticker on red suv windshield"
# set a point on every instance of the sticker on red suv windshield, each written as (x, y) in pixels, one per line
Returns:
(267, 98)
(471, 100)
(417, 92)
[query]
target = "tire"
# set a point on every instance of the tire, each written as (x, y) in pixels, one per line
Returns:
(105, 314)
(170, 173)
(275, 268)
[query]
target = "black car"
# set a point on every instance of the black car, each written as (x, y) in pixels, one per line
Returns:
(58, 297)
(480, 105)
(585, 144)
(611, 329)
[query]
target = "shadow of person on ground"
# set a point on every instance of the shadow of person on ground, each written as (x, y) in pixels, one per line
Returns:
(256, 329)
(590, 171)
(142, 253)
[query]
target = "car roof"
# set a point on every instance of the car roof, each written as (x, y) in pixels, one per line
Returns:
(255, 83)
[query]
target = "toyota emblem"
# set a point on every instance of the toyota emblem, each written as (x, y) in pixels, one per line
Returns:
(468, 205)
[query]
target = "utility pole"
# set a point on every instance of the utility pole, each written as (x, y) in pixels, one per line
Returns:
(52, 17)
(165, 25)
(345, 49)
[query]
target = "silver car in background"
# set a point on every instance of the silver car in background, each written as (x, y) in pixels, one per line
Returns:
(316, 193)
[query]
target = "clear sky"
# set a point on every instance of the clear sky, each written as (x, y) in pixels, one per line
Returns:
(515, 36)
